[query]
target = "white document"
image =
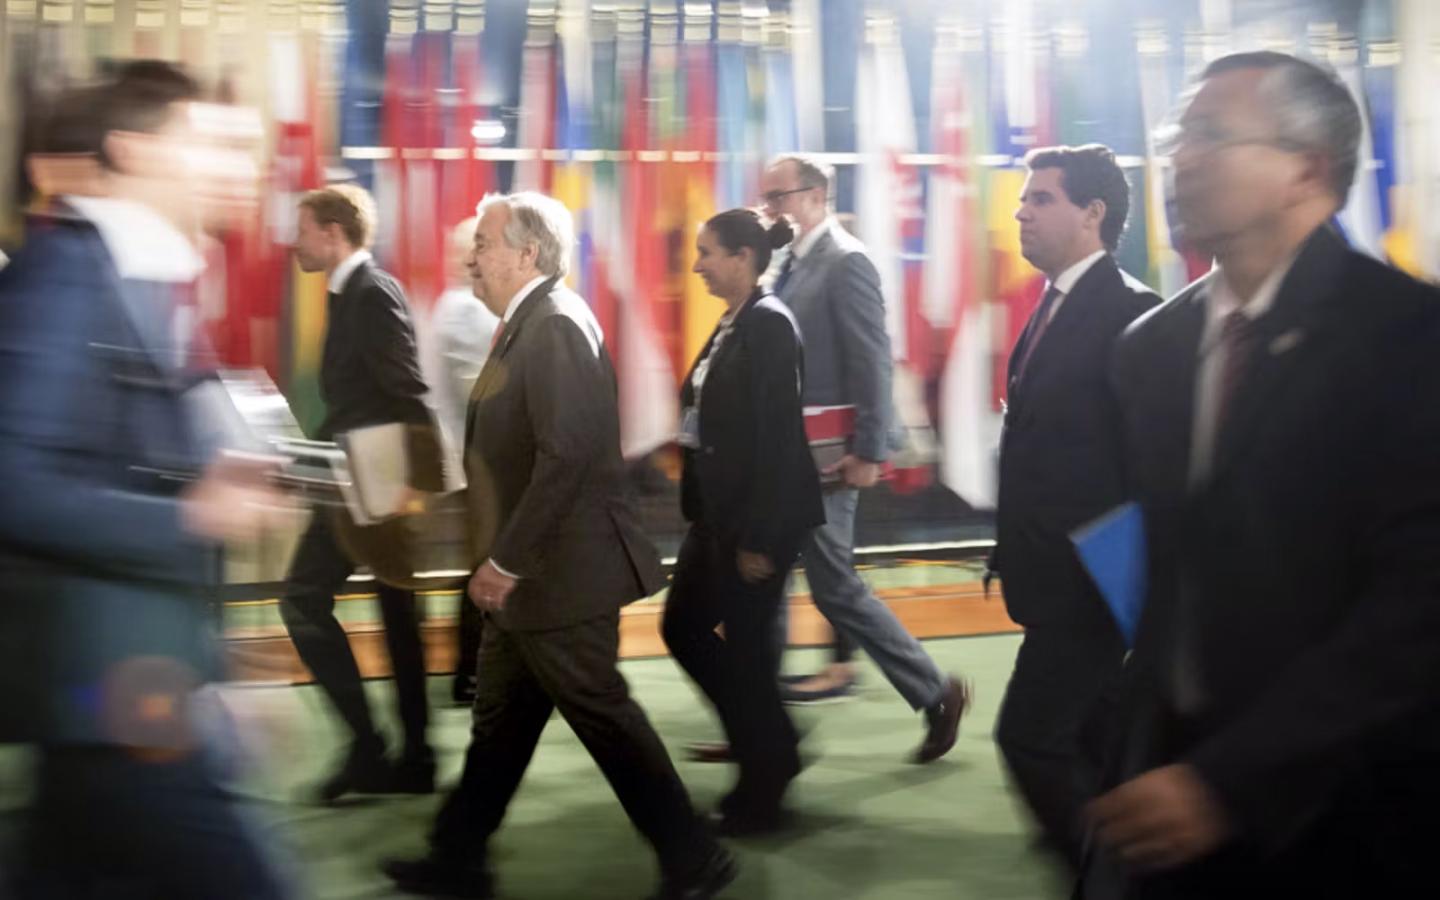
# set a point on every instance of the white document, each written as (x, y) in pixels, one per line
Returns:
(378, 456)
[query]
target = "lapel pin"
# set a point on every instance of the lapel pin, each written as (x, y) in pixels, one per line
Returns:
(1286, 342)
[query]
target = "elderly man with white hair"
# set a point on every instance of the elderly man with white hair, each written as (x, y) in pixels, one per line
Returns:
(557, 551)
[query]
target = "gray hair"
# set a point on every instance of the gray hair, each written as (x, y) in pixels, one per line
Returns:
(539, 220)
(811, 172)
(1313, 109)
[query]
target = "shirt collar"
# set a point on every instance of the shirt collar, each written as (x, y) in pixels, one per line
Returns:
(807, 243)
(1065, 281)
(347, 267)
(520, 296)
(144, 245)
(1221, 300)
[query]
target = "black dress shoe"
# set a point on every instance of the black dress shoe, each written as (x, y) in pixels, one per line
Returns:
(440, 876)
(414, 775)
(462, 689)
(943, 723)
(742, 821)
(364, 771)
(703, 883)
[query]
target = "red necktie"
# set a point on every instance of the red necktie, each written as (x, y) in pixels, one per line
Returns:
(495, 338)
(1237, 336)
(1042, 321)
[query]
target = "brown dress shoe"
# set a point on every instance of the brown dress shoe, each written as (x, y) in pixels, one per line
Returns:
(943, 723)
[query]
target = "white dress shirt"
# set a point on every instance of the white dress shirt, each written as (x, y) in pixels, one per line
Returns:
(1064, 283)
(812, 237)
(144, 245)
(461, 328)
(343, 271)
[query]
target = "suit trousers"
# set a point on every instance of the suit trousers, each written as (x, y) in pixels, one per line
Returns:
(319, 571)
(856, 613)
(1055, 722)
(523, 677)
(111, 824)
(739, 672)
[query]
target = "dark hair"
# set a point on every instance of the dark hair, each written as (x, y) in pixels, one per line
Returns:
(1090, 173)
(1310, 107)
(138, 96)
(69, 124)
(739, 228)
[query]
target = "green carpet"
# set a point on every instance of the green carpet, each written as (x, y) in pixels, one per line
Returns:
(868, 824)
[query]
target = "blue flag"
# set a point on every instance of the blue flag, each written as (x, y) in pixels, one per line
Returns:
(1112, 549)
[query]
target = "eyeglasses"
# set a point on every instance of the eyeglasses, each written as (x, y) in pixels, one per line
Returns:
(1205, 138)
(774, 197)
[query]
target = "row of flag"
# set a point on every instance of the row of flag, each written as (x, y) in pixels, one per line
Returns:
(650, 129)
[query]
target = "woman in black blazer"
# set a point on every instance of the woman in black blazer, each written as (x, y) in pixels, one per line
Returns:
(751, 493)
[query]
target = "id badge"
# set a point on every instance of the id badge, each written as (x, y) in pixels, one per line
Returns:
(689, 435)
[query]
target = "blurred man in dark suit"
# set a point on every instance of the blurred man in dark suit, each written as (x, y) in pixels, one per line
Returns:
(369, 375)
(116, 499)
(1060, 468)
(1282, 704)
(557, 552)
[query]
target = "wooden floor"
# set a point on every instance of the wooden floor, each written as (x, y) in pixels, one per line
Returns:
(266, 654)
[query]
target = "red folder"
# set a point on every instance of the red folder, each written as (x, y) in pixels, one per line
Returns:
(830, 431)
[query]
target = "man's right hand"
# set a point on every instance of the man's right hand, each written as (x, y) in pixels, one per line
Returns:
(232, 501)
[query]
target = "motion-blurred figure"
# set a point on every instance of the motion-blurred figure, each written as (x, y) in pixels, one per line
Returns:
(106, 629)
(558, 552)
(1282, 704)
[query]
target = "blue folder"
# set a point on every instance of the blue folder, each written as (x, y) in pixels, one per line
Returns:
(1112, 549)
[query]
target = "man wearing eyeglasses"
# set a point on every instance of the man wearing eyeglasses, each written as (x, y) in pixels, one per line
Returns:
(830, 284)
(1282, 704)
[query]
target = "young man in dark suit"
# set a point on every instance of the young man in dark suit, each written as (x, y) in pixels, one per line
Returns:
(107, 628)
(369, 375)
(558, 551)
(1060, 468)
(1282, 704)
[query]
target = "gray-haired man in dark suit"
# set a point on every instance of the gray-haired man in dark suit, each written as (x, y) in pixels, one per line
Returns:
(557, 551)
(828, 281)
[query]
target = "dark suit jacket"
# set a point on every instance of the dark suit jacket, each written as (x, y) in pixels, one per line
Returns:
(1060, 449)
(1305, 576)
(752, 480)
(835, 295)
(546, 490)
(370, 371)
(99, 572)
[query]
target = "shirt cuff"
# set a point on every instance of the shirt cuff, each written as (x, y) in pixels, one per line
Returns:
(502, 570)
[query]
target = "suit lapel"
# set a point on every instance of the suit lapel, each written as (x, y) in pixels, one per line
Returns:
(1282, 335)
(497, 353)
(1070, 315)
(798, 286)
